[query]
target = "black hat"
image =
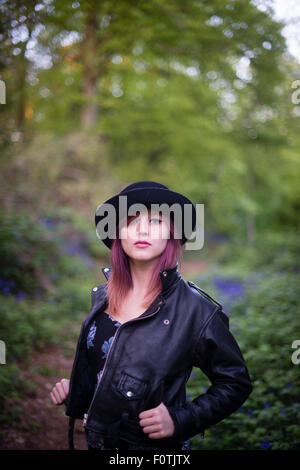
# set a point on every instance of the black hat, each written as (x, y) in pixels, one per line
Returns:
(147, 193)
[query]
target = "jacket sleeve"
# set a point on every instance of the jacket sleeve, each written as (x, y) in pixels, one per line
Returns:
(217, 354)
(81, 386)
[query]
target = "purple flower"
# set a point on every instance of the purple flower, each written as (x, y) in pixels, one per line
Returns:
(37, 293)
(71, 247)
(265, 445)
(7, 285)
(267, 404)
(250, 413)
(20, 296)
(230, 290)
(48, 221)
(229, 287)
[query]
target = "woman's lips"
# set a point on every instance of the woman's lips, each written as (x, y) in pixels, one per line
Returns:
(141, 244)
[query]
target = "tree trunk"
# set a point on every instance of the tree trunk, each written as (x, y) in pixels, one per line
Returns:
(21, 90)
(91, 72)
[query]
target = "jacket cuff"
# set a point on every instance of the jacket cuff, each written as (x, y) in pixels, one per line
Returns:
(185, 427)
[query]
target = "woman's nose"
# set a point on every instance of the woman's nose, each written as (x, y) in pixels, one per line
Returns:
(143, 226)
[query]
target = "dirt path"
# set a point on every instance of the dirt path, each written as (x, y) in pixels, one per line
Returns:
(42, 425)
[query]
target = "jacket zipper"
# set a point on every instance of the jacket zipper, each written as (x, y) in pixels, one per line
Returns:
(109, 352)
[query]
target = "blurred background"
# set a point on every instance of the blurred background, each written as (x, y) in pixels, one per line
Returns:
(202, 96)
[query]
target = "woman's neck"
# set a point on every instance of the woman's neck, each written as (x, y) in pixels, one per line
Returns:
(141, 273)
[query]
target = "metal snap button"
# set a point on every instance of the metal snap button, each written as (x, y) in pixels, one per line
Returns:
(166, 321)
(165, 273)
(106, 269)
(95, 289)
(129, 393)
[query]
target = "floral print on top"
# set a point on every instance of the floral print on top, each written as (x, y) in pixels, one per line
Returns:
(99, 339)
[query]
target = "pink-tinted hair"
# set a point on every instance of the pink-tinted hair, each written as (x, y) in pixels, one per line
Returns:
(120, 280)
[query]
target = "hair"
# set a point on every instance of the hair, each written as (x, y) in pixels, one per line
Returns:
(120, 280)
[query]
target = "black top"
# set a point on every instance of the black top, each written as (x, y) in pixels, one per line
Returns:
(99, 339)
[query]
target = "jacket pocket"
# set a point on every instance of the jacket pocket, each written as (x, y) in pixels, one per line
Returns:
(131, 387)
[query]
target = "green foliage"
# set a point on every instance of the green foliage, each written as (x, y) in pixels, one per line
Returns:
(26, 253)
(45, 289)
(200, 95)
(196, 95)
(264, 321)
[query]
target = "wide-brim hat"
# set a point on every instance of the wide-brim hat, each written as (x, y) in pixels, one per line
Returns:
(147, 193)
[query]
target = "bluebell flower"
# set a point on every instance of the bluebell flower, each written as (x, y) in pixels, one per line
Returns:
(267, 404)
(20, 296)
(265, 445)
(283, 411)
(230, 287)
(37, 292)
(47, 221)
(71, 247)
(4, 285)
(250, 413)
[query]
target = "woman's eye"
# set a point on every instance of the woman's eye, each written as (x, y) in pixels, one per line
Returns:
(157, 220)
(134, 221)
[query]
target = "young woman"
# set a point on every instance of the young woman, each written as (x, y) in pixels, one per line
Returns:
(146, 330)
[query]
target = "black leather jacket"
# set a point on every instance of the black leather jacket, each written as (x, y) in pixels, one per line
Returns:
(151, 359)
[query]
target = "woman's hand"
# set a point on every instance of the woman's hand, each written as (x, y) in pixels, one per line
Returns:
(157, 422)
(60, 392)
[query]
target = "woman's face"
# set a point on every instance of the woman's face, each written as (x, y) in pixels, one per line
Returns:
(153, 228)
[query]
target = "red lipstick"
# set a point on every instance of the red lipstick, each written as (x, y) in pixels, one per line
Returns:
(142, 243)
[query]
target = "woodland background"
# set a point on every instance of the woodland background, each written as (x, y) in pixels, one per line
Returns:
(197, 95)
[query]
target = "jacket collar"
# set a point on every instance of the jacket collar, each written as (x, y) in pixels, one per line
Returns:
(168, 276)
